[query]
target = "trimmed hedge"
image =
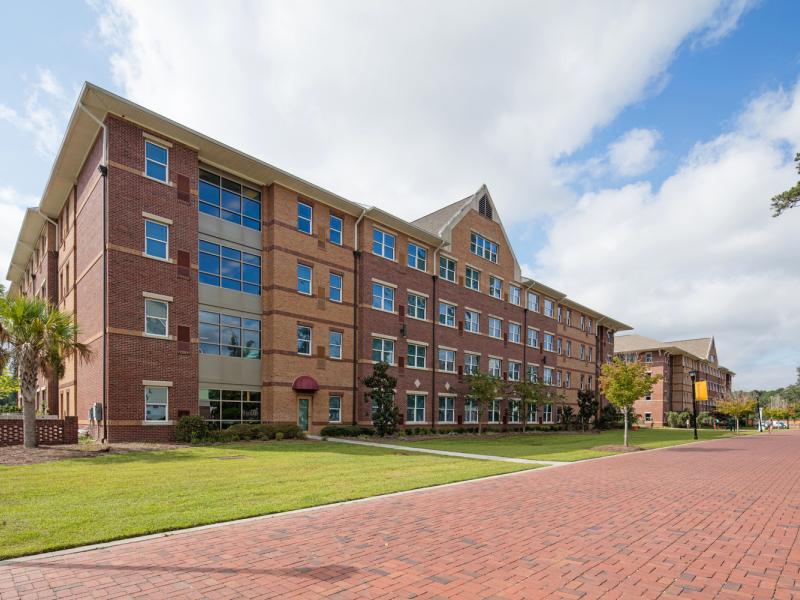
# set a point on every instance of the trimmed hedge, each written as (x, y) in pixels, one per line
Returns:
(195, 429)
(346, 431)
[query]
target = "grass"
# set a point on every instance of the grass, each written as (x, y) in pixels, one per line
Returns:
(564, 446)
(69, 503)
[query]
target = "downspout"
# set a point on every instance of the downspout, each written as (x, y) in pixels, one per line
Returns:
(356, 294)
(524, 301)
(434, 349)
(103, 168)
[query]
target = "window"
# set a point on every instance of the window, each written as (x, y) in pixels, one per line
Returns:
(582, 384)
(548, 376)
(547, 413)
(334, 409)
(304, 340)
(417, 355)
(304, 279)
(335, 344)
(156, 239)
(304, 218)
(559, 345)
(228, 268)
(514, 370)
(494, 411)
(589, 326)
(482, 247)
(648, 358)
(335, 287)
(417, 306)
(225, 199)
(447, 268)
(533, 373)
(533, 302)
(447, 360)
(513, 411)
(582, 351)
(472, 321)
(223, 408)
(472, 279)
(335, 230)
(155, 403)
(495, 367)
(558, 378)
(514, 294)
(383, 350)
(549, 341)
(383, 244)
(514, 333)
(229, 335)
(156, 159)
(533, 338)
(417, 257)
(470, 411)
(582, 322)
(447, 314)
(447, 409)
(591, 353)
(471, 363)
(559, 314)
(549, 308)
(569, 348)
(382, 297)
(156, 317)
(495, 327)
(590, 382)
(495, 287)
(415, 408)
(648, 417)
(532, 410)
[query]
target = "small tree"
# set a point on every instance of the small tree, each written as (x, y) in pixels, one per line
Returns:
(9, 386)
(737, 405)
(384, 410)
(567, 414)
(483, 388)
(624, 383)
(587, 407)
(530, 394)
(788, 199)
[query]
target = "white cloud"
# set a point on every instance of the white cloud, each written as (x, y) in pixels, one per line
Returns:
(634, 153)
(12, 207)
(701, 255)
(42, 114)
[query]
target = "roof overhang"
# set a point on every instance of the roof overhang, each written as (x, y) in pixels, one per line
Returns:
(31, 228)
(403, 226)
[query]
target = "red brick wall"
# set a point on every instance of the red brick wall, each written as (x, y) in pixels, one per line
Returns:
(48, 431)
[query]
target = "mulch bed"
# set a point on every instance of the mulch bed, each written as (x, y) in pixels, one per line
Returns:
(19, 455)
(617, 448)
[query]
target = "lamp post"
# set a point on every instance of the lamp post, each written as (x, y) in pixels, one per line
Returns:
(693, 377)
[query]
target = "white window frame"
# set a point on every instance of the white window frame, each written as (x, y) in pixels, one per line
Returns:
(472, 321)
(494, 412)
(514, 294)
(469, 369)
(387, 348)
(338, 408)
(416, 251)
(498, 329)
(331, 286)
(309, 219)
(331, 229)
(446, 314)
(310, 339)
(547, 375)
(165, 404)
(302, 279)
(532, 370)
(534, 304)
(472, 279)
(152, 160)
(382, 245)
(491, 364)
(483, 247)
(414, 364)
(495, 287)
(445, 271)
(535, 332)
(387, 292)
(551, 338)
(448, 364)
(551, 304)
(165, 242)
(332, 345)
(413, 308)
(514, 370)
(547, 413)
(147, 302)
(515, 337)
(471, 411)
(514, 411)
(444, 412)
(416, 408)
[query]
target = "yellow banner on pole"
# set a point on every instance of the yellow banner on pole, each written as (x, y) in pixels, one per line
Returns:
(701, 390)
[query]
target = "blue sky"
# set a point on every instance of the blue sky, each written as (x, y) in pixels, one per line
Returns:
(574, 118)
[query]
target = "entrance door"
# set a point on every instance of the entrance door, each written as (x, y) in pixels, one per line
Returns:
(302, 413)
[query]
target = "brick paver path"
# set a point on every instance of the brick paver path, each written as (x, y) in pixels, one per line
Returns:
(718, 519)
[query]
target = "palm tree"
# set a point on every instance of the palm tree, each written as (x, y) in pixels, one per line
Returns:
(35, 337)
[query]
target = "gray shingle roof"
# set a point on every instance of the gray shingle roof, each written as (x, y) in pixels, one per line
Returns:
(435, 221)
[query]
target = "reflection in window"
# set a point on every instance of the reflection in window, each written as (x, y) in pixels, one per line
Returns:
(229, 200)
(228, 335)
(223, 408)
(229, 268)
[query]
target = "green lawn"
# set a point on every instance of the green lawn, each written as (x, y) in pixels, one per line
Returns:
(564, 446)
(80, 501)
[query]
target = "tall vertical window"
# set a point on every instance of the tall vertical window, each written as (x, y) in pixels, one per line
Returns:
(514, 333)
(335, 344)
(305, 217)
(514, 294)
(417, 306)
(334, 409)
(569, 317)
(495, 327)
(513, 411)
(494, 411)
(415, 408)
(156, 159)
(383, 244)
(495, 367)
(447, 360)
(549, 308)
(514, 370)
(229, 335)
(156, 239)
(447, 268)
(472, 279)
(156, 317)
(549, 342)
(495, 287)
(416, 357)
(472, 321)
(482, 247)
(470, 411)
(304, 275)
(472, 364)
(382, 297)
(229, 200)
(447, 314)
(417, 257)
(548, 376)
(533, 338)
(533, 373)
(156, 399)
(447, 409)
(533, 302)
(335, 230)
(383, 350)
(304, 340)
(559, 345)
(532, 410)
(335, 287)
(232, 269)
(547, 413)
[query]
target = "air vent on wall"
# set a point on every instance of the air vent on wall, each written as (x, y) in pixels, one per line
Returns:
(485, 207)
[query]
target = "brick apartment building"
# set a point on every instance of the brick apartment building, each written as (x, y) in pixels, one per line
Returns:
(674, 361)
(208, 282)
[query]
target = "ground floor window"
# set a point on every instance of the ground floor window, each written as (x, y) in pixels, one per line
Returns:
(494, 411)
(547, 413)
(335, 409)
(223, 408)
(415, 408)
(155, 403)
(447, 410)
(513, 411)
(532, 413)
(470, 411)
(648, 417)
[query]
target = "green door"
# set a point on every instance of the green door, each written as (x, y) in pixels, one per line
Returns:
(302, 413)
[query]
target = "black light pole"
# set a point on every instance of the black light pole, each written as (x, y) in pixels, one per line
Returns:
(693, 377)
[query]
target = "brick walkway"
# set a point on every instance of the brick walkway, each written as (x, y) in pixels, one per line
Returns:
(718, 519)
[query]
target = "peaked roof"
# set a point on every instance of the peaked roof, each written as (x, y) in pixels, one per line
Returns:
(633, 342)
(699, 347)
(436, 221)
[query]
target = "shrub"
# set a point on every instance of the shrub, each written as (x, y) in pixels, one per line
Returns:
(191, 428)
(705, 419)
(610, 417)
(279, 435)
(348, 431)
(10, 408)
